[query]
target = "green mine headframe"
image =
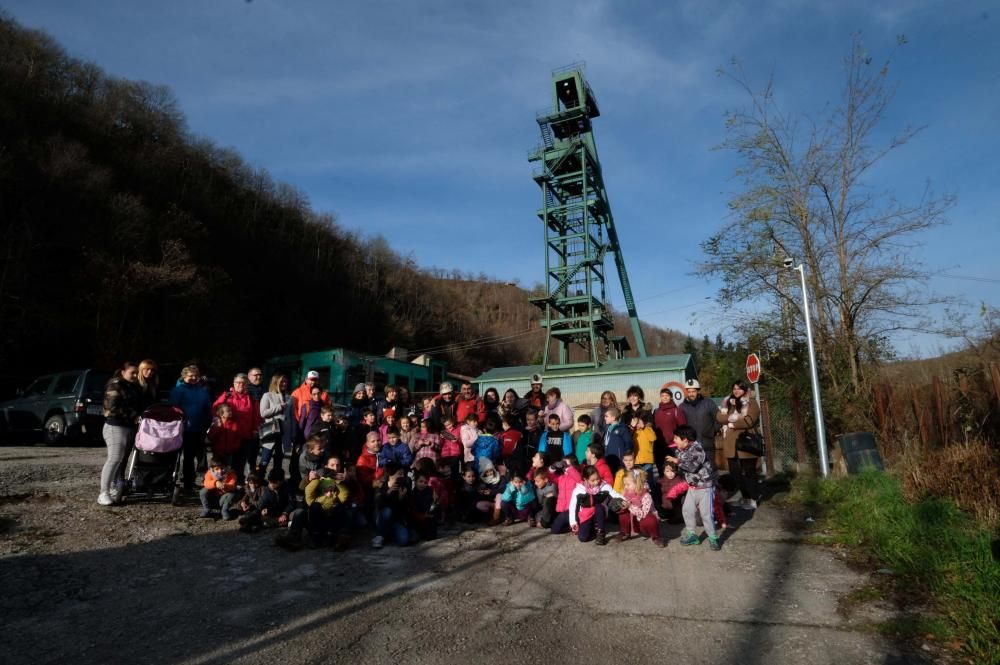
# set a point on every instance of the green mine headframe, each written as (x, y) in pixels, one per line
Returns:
(579, 229)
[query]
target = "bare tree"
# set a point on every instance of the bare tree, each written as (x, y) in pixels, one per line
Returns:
(806, 194)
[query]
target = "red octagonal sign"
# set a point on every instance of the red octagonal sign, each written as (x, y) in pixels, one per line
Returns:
(753, 368)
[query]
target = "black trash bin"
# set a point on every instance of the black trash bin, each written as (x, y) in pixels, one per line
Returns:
(859, 451)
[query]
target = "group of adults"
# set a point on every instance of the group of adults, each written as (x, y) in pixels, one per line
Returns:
(135, 387)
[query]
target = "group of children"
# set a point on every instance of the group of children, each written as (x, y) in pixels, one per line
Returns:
(410, 476)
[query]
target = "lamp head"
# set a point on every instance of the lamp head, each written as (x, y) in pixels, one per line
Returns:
(789, 262)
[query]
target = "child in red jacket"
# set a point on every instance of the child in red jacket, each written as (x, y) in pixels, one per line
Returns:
(567, 478)
(451, 448)
(224, 436)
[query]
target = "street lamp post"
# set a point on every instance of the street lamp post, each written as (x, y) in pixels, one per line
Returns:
(813, 373)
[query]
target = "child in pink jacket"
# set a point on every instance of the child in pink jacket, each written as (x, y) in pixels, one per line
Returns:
(567, 478)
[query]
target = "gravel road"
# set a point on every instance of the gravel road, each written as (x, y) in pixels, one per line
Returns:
(151, 583)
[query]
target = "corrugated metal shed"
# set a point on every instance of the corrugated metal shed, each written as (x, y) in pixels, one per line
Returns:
(581, 386)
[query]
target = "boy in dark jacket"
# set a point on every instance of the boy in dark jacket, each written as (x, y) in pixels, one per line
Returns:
(531, 435)
(555, 443)
(699, 472)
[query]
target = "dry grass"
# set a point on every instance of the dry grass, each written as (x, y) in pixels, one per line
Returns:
(968, 475)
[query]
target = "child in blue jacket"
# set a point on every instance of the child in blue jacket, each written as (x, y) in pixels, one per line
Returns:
(517, 500)
(486, 445)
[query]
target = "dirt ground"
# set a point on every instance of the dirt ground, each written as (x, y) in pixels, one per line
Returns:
(152, 583)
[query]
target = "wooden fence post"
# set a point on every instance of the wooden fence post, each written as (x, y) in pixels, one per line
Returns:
(882, 399)
(939, 412)
(995, 373)
(765, 419)
(921, 415)
(800, 427)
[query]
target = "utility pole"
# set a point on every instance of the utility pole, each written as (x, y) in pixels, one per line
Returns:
(824, 466)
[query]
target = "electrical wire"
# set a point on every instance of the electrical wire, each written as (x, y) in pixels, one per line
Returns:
(970, 278)
(673, 291)
(481, 341)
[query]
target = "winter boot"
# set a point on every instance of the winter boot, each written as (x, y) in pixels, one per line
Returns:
(496, 517)
(600, 538)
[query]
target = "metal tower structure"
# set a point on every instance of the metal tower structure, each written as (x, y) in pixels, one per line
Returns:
(579, 229)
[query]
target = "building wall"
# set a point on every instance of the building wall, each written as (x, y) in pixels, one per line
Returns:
(587, 389)
(341, 369)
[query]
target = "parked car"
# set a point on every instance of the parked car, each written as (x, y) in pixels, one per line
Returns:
(66, 405)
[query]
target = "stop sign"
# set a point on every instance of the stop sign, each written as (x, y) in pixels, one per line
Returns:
(753, 368)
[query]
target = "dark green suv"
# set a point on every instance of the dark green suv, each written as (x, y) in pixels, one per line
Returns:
(60, 406)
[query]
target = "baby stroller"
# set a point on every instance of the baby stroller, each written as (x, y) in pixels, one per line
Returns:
(154, 464)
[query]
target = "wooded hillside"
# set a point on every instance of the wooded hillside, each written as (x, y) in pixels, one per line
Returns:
(126, 237)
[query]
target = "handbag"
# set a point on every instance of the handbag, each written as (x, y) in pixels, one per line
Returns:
(270, 431)
(750, 442)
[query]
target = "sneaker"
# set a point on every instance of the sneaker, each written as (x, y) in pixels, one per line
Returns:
(104, 499)
(377, 542)
(751, 504)
(531, 522)
(690, 539)
(714, 544)
(622, 537)
(659, 542)
(205, 514)
(508, 522)
(228, 516)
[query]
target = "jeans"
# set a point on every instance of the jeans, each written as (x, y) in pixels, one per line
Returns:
(546, 512)
(210, 498)
(560, 524)
(246, 455)
(193, 451)
(267, 454)
(745, 473)
(698, 501)
(594, 524)
(391, 529)
(119, 441)
(323, 522)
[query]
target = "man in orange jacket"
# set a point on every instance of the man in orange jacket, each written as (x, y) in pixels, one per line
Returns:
(303, 393)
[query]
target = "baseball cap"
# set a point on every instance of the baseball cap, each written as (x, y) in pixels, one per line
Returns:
(313, 374)
(447, 388)
(692, 383)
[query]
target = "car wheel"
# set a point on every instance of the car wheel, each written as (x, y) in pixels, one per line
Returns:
(54, 430)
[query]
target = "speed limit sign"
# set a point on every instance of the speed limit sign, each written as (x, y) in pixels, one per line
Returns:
(676, 389)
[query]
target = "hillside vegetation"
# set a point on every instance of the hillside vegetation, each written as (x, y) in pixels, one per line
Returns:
(125, 236)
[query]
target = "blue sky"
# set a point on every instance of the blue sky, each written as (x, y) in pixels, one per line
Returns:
(413, 119)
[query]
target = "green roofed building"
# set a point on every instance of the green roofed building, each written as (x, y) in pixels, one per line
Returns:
(341, 369)
(581, 387)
